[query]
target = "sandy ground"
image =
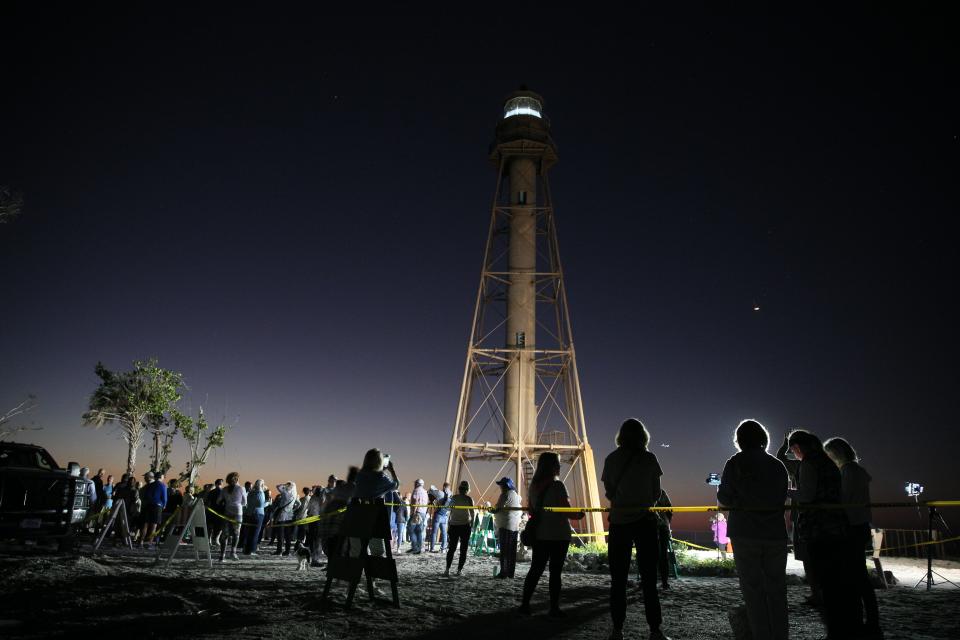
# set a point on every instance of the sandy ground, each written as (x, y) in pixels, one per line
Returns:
(122, 594)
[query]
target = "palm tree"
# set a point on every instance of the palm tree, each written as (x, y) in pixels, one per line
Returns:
(134, 401)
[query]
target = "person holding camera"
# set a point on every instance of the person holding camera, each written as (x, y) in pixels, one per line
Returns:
(373, 483)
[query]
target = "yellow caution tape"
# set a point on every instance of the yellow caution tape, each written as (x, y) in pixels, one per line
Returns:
(310, 519)
(695, 546)
(306, 520)
(223, 517)
(918, 544)
(162, 526)
(692, 509)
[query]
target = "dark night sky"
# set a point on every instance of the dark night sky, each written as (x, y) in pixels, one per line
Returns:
(290, 209)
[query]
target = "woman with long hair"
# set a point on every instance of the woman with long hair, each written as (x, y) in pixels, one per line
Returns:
(233, 499)
(823, 532)
(631, 480)
(461, 522)
(552, 530)
(855, 490)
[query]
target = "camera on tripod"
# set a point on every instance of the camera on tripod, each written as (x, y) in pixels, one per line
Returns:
(913, 489)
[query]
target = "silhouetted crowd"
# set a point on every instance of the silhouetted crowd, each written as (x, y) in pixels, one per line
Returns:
(754, 488)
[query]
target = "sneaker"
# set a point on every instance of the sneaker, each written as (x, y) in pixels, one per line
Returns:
(524, 610)
(658, 635)
(284, 554)
(446, 574)
(235, 557)
(616, 634)
(459, 572)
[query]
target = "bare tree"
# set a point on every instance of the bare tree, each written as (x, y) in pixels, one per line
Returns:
(6, 428)
(193, 434)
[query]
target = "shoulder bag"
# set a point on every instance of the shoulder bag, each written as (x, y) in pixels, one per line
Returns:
(529, 534)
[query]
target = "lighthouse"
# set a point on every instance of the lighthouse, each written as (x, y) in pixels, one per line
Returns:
(520, 393)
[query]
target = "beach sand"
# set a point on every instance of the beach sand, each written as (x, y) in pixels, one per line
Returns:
(121, 593)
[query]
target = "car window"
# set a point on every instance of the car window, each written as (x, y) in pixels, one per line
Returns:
(31, 458)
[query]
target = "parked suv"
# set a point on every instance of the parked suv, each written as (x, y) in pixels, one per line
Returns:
(38, 499)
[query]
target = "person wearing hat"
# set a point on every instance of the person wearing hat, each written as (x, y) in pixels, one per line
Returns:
(418, 516)
(461, 521)
(506, 519)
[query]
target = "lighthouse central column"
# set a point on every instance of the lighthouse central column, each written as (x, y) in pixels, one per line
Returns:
(520, 410)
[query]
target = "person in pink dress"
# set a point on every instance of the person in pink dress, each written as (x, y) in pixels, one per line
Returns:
(718, 525)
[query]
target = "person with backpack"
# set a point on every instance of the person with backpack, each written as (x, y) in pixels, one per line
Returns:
(631, 481)
(548, 531)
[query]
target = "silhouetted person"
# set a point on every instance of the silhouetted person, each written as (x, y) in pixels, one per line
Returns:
(664, 518)
(855, 490)
(461, 522)
(755, 480)
(373, 484)
(824, 531)
(210, 500)
(336, 500)
(800, 551)
(552, 533)
(631, 481)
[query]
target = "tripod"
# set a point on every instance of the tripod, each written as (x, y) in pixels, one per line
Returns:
(934, 515)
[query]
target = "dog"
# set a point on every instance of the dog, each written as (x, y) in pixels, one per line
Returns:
(304, 557)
